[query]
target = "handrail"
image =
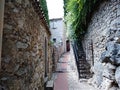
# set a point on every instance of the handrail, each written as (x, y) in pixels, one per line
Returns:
(80, 57)
(76, 55)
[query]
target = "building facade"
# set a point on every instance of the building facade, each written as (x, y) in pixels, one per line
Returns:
(58, 36)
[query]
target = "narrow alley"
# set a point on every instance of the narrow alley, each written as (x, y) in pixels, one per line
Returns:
(67, 76)
(59, 44)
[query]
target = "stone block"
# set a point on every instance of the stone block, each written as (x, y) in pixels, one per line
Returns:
(117, 75)
(118, 39)
(21, 23)
(50, 85)
(21, 71)
(19, 1)
(21, 45)
(106, 84)
(117, 60)
(15, 10)
(97, 80)
(108, 71)
(110, 47)
(113, 88)
(118, 10)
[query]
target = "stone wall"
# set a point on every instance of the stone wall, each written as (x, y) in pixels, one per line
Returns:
(24, 48)
(102, 36)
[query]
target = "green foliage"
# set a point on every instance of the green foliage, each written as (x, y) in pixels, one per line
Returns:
(76, 13)
(65, 5)
(45, 9)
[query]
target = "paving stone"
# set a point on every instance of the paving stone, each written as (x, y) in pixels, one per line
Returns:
(72, 76)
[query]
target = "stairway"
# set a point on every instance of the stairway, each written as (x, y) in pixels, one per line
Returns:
(82, 65)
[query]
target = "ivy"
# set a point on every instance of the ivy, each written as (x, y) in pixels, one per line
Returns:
(76, 14)
(45, 9)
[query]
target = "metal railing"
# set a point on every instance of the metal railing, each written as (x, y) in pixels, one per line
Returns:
(80, 57)
(75, 50)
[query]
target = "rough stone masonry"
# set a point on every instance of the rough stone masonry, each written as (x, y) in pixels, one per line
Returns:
(25, 39)
(102, 45)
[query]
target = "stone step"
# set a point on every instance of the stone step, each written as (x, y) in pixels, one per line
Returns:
(83, 71)
(82, 65)
(82, 61)
(82, 68)
(50, 85)
(87, 77)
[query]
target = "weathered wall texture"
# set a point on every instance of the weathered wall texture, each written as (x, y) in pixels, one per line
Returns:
(103, 36)
(2, 2)
(23, 55)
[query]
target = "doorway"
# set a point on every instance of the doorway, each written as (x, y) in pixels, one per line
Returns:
(67, 45)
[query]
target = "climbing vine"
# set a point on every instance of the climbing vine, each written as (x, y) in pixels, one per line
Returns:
(45, 9)
(76, 14)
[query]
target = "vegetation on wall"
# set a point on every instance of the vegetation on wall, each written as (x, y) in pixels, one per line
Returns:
(65, 7)
(45, 9)
(77, 14)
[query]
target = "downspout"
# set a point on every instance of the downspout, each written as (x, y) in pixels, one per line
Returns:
(2, 3)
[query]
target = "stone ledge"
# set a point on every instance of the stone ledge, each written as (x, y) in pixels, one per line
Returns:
(50, 85)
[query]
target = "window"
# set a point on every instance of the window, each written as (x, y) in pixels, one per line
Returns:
(54, 27)
(54, 39)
